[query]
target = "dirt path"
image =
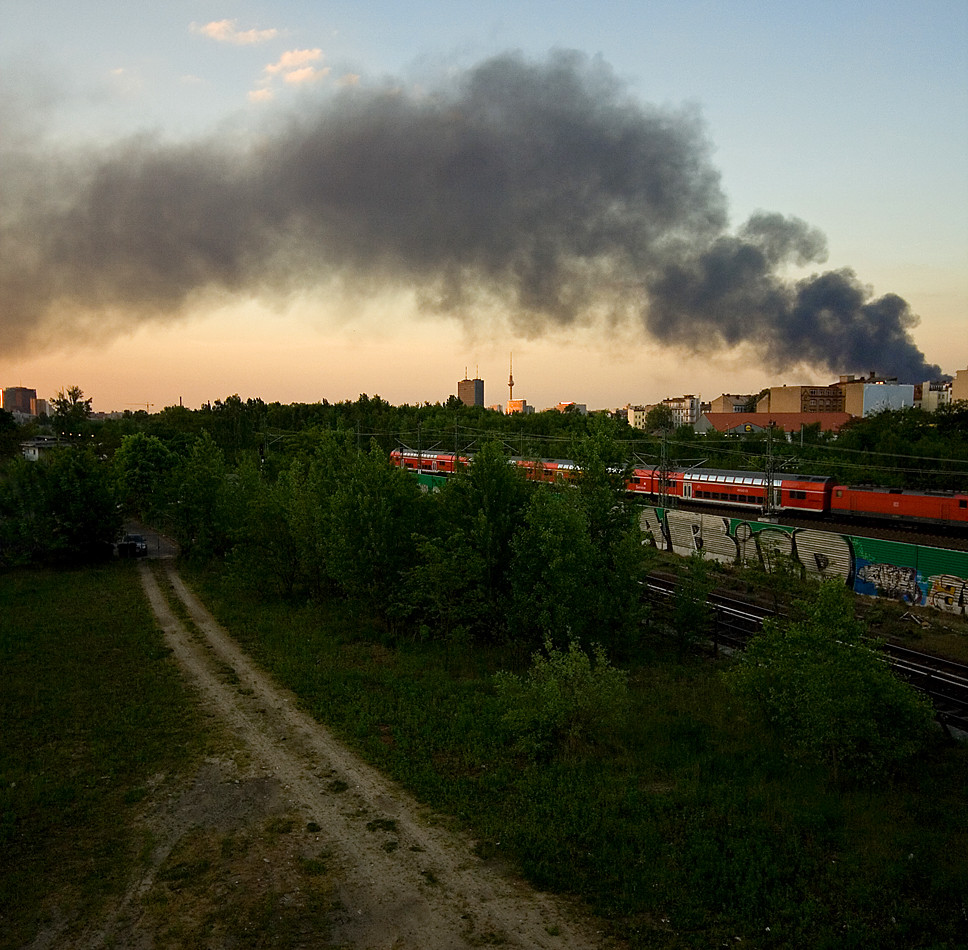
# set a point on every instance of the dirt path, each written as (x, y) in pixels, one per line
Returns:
(339, 855)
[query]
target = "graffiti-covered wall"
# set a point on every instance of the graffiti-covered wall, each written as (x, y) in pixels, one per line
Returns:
(912, 573)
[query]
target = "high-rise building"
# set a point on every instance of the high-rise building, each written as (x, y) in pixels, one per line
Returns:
(20, 399)
(471, 391)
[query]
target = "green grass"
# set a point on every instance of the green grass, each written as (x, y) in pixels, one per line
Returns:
(697, 832)
(93, 710)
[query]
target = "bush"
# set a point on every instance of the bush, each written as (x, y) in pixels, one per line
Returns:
(831, 696)
(565, 702)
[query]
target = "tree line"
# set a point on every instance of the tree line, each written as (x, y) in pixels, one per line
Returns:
(320, 515)
(176, 466)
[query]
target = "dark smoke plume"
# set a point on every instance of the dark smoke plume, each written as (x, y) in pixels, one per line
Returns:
(542, 188)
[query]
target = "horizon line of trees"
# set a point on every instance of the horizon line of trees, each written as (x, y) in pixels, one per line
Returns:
(907, 448)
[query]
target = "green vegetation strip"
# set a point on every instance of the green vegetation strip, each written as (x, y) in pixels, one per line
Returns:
(93, 712)
(687, 828)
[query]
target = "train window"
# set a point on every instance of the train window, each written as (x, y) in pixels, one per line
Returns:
(963, 502)
(840, 494)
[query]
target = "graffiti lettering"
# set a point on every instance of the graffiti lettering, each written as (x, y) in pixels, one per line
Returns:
(875, 568)
(948, 593)
(890, 580)
(824, 555)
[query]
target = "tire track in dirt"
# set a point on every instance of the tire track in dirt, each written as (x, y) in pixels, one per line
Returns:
(404, 883)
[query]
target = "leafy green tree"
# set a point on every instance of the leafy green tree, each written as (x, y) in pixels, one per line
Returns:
(828, 693)
(444, 594)
(198, 509)
(618, 559)
(691, 614)
(263, 556)
(659, 419)
(374, 516)
(142, 465)
(60, 509)
(553, 562)
(71, 410)
(10, 434)
(483, 505)
(308, 486)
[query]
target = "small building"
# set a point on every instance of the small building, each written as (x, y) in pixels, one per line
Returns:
(932, 394)
(36, 448)
(636, 416)
(519, 406)
(790, 423)
(685, 409)
(727, 402)
(579, 407)
(959, 386)
(802, 399)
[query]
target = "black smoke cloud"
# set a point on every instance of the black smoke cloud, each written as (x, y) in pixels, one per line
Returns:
(542, 188)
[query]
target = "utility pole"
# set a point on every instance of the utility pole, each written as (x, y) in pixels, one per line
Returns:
(768, 500)
(664, 496)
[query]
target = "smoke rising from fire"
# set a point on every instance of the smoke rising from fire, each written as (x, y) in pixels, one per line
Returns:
(540, 188)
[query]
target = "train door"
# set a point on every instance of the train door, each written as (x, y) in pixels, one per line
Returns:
(687, 489)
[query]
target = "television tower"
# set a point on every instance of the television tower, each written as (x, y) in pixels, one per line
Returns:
(510, 377)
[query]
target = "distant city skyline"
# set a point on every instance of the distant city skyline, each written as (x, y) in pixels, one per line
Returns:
(300, 202)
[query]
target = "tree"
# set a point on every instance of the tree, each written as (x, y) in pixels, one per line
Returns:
(829, 694)
(198, 496)
(691, 614)
(10, 434)
(484, 504)
(71, 409)
(554, 561)
(60, 509)
(659, 419)
(142, 465)
(374, 516)
(615, 569)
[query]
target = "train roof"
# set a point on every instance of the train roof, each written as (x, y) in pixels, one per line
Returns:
(746, 478)
(750, 478)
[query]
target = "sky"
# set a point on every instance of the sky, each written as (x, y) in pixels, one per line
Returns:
(311, 200)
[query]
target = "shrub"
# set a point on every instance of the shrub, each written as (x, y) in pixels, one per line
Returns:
(831, 696)
(565, 702)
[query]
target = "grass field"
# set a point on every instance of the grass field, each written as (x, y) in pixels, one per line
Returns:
(692, 830)
(93, 711)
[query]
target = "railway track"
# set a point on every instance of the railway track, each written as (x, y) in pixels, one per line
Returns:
(944, 681)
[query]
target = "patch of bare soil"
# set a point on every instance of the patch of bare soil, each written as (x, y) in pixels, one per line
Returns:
(289, 839)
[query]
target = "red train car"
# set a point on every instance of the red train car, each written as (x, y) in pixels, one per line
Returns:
(898, 505)
(436, 463)
(742, 489)
(545, 470)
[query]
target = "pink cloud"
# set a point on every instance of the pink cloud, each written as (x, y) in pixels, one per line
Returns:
(225, 31)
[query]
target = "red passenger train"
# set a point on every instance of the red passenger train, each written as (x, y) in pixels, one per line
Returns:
(810, 494)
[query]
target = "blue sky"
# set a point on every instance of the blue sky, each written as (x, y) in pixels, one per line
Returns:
(850, 116)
